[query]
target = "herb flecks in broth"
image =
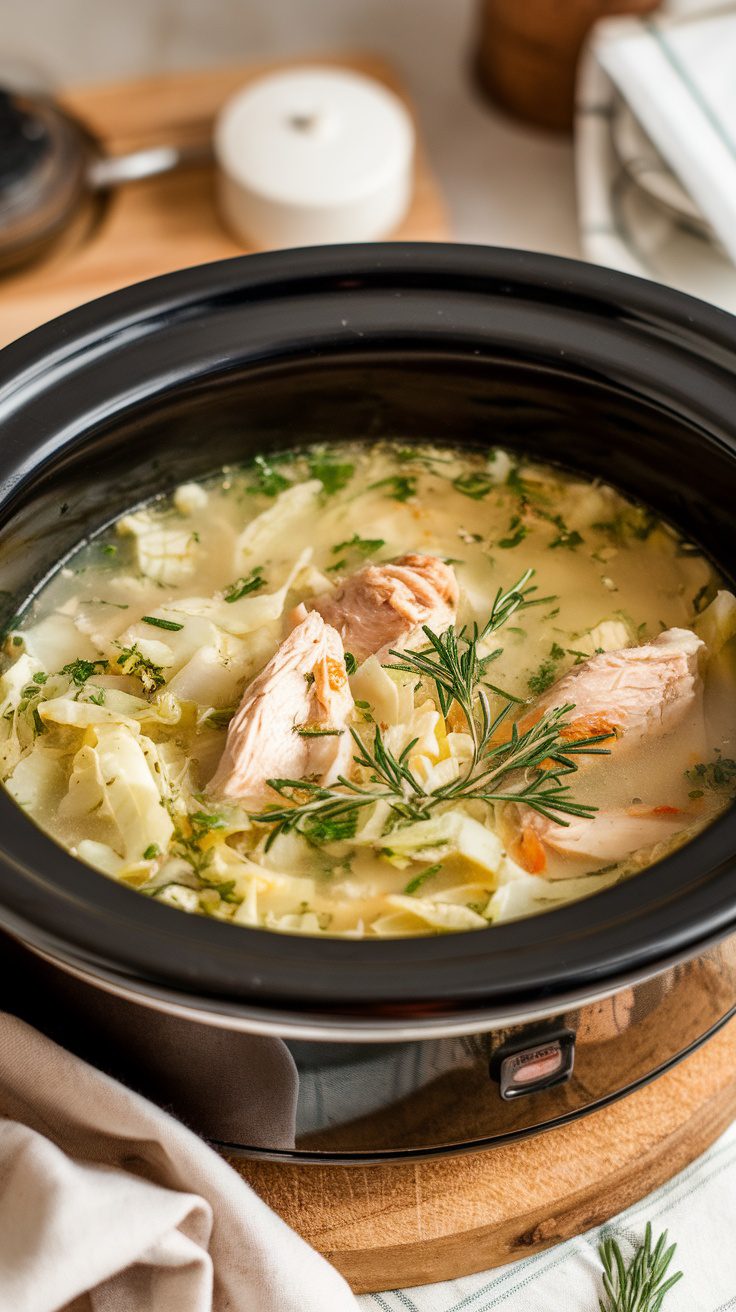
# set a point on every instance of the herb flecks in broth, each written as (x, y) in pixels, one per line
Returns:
(425, 745)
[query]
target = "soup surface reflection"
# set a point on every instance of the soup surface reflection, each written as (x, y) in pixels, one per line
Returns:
(374, 691)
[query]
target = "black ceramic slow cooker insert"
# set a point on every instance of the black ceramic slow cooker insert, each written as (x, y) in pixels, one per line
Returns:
(368, 1049)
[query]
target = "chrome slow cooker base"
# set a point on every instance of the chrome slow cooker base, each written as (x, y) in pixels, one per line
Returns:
(266, 1094)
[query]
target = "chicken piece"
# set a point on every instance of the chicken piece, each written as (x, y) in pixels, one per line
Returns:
(381, 606)
(631, 693)
(606, 837)
(303, 687)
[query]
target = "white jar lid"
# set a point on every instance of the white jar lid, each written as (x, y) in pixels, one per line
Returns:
(314, 155)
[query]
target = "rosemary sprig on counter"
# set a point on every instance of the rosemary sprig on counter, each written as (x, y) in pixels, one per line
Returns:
(508, 764)
(641, 1286)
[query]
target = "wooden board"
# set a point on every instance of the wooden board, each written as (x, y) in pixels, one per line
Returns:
(167, 223)
(392, 1226)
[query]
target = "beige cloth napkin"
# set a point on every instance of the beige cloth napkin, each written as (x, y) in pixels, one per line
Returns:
(108, 1204)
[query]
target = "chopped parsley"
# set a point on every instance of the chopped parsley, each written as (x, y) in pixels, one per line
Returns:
(416, 883)
(153, 850)
(516, 533)
(40, 677)
(400, 487)
(243, 586)
(543, 678)
(157, 623)
(717, 776)
(557, 652)
(203, 822)
(566, 537)
(476, 485)
(332, 474)
(266, 480)
(97, 697)
(351, 664)
(132, 661)
(80, 671)
(629, 522)
(363, 546)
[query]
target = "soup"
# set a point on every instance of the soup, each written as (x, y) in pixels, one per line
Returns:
(374, 691)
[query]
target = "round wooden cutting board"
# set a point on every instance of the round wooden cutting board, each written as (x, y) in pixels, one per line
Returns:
(392, 1226)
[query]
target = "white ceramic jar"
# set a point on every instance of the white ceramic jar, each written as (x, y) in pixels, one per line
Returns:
(313, 155)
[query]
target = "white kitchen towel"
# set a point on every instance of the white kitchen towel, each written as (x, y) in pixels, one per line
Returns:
(697, 1208)
(107, 1204)
(667, 83)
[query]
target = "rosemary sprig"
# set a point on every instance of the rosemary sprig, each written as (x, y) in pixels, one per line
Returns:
(452, 663)
(641, 1286)
(525, 767)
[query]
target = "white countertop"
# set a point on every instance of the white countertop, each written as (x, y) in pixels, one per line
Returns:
(504, 184)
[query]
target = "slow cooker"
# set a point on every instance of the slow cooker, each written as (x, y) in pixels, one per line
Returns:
(323, 1049)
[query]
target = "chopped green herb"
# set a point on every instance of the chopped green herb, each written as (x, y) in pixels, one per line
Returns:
(151, 851)
(40, 677)
(267, 480)
(306, 731)
(629, 522)
(556, 651)
(702, 598)
(718, 775)
(109, 549)
(97, 697)
(38, 723)
(363, 546)
(351, 664)
(204, 822)
(243, 586)
(220, 719)
(516, 533)
(400, 487)
(80, 671)
(517, 484)
(157, 623)
(416, 883)
(476, 485)
(567, 537)
(332, 474)
(543, 678)
(132, 661)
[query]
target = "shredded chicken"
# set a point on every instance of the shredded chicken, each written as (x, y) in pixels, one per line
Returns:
(629, 694)
(381, 606)
(284, 725)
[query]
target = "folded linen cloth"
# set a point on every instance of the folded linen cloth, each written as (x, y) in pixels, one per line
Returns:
(655, 147)
(108, 1204)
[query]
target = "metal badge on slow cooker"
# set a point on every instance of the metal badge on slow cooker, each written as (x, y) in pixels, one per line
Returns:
(533, 1062)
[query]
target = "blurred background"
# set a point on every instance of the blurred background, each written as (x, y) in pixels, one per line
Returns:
(599, 129)
(495, 174)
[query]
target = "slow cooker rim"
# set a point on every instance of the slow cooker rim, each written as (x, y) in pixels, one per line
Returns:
(261, 969)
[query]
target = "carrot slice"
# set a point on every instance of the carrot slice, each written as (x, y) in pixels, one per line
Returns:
(531, 853)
